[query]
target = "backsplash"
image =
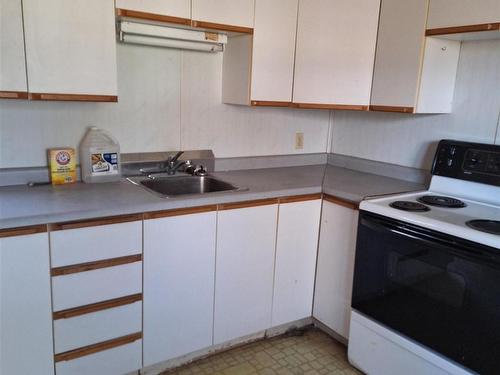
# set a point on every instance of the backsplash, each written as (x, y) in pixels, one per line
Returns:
(170, 100)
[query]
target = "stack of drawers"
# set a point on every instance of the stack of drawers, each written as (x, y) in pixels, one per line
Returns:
(96, 269)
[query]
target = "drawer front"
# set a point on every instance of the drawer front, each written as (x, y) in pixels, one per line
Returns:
(84, 288)
(97, 327)
(115, 361)
(82, 245)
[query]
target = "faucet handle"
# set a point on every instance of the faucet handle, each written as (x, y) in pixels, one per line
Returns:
(200, 171)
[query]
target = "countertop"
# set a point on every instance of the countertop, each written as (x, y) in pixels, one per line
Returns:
(24, 206)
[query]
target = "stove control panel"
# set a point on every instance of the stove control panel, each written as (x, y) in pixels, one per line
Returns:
(468, 161)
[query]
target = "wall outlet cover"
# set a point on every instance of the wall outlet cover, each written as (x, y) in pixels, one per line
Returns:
(299, 141)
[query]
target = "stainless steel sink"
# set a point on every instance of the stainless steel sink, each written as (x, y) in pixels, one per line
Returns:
(173, 186)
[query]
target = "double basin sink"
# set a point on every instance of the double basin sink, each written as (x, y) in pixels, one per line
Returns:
(174, 186)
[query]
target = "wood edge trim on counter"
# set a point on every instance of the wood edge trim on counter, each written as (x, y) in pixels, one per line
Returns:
(22, 231)
(495, 26)
(348, 107)
(267, 103)
(255, 203)
(152, 16)
(72, 97)
(96, 348)
(341, 202)
(13, 95)
(300, 198)
(221, 27)
(388, 108)
(95, 307)
(91, 266)
(180, 212)
(95, 222)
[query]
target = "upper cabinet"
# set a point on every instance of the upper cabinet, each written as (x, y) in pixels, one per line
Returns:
(463, 15)
(13, 83)
(176, 11)
(335, 53)
(413, 73)
(71, 49)
(217, 14)
(260, 71)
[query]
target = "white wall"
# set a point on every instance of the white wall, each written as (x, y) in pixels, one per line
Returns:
(410, 140)
(168, 100)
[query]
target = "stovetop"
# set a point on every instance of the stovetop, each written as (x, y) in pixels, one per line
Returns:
(452, 221)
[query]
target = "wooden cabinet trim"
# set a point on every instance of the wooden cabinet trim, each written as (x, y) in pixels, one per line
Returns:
(463, 29)
(179, 212)
(95, 307)
(96, 348)
(300, 198)
(347, 107)
(22, 231)
(267, 103)
(221, 27)
(341, 202)
(387, 108)
(152, 17)
(13, 95)
(255, 203)
(95, 222)
(91, 266)
(72, 97)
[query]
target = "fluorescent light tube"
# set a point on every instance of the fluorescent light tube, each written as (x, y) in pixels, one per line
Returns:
(171, 43)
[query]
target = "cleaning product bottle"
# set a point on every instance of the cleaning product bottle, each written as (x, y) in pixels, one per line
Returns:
(99, 157)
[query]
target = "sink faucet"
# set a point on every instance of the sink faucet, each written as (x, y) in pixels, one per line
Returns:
(172, 164)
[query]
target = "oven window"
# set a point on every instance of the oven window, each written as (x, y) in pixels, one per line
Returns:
(439, 291)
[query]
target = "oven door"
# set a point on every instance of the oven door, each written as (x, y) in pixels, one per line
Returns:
(441, 291)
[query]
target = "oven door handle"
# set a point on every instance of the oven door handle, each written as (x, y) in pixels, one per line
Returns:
(433, 241)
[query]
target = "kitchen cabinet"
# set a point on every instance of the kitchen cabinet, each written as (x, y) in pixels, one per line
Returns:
(25, 305)
(335, 53)
(70, 49)
(246, 237)
(179, 272)
(222, 14)
(413, 73)
(334, 274)
(259, 71)
(175, 11)
(13, 84)
(459, 13)
(295, 269)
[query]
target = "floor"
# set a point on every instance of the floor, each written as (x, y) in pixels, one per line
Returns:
(310, 353)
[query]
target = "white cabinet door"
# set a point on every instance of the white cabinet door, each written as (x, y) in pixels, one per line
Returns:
(25, 307)
(334, 274)
(296, 249)
(273, 50)
(244, 271)
(335, 52)
(173, 8)
(12, 60)
(449, 13)
(224, 12)
(70, 47)
(179, 269)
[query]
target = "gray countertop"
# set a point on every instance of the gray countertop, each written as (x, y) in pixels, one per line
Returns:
(23, 206)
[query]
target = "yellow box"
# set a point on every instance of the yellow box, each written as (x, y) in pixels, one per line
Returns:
(62, 165)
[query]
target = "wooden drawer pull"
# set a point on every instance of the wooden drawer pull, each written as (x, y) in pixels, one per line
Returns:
(341, 202)
(23, 231)
(91, 266)
(96, 348)
(247, 204)
(95, 307)
(96, 222)
(300, 198)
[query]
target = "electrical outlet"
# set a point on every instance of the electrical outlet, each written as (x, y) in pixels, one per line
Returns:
(299, 141)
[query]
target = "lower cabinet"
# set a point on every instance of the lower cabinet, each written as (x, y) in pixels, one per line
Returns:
(246, 239)
(179, 271)
(25, 310)
(296, 249)
(334, 274)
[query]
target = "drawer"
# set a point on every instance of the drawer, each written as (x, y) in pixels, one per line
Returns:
(116, 361)
(88, 244)
(88, 329)
(84, 288)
